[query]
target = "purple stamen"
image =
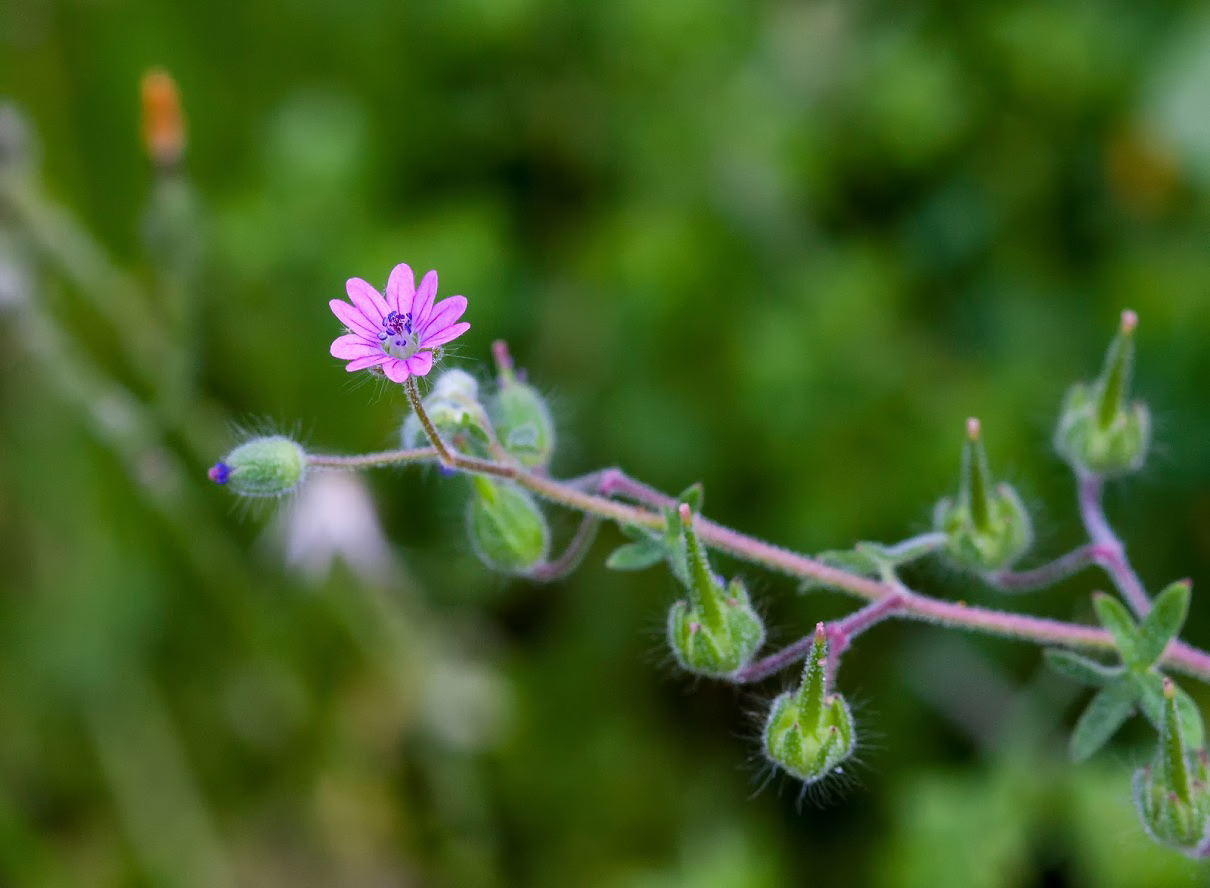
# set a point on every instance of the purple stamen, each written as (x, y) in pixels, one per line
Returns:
(397, 323)
(219, 473)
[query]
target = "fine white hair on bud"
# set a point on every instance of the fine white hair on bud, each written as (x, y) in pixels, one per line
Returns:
(269, 465)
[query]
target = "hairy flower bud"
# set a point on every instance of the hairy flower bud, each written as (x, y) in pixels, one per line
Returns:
(809, 731)
(454, 409)
(267, 466)
(1171, 794)
(986, 526)
(507, 529)
(522, 420)
(716, 631)
(1100, 430)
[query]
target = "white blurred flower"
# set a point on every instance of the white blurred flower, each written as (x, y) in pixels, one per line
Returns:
(333, 516)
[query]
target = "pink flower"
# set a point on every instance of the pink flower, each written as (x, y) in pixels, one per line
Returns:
(399, 332)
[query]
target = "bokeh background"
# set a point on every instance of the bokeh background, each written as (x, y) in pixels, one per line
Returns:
(782, 248)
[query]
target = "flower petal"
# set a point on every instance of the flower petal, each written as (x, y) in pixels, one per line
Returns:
(369, 361)
(445, 313)
(354, 345)
(401, 287)
(396, 370)
(422, 305)
(352, 318)
(449, 334)
(368, 300)
(420, 363)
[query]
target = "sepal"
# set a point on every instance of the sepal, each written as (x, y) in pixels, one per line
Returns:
(809, 731)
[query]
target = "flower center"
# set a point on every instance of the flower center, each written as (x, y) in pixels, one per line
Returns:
(397, 337)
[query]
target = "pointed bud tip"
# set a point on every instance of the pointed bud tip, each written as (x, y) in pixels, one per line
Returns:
(686, 514)
(1169, 688)
(1130, 320)
(821, 633)
(973, 428)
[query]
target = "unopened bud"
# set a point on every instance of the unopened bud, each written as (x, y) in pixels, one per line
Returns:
(522, 419)
(454, 410)
(268, 466)
(1100, 429)
(163, 120)
(1171, 793)
(507, 529)
(716, 631)
(987, 527)
(809, 732)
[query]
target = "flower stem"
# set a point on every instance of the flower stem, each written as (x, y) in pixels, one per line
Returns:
(1110, 554)
(1048, 574)
(371, 460)
(576, 549)
(907, 604)
(443, 452)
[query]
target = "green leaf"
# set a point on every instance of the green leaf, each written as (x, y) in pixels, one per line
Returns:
(1151, 700)
(1079, 668)
(1163, 623)
(636, 556)
(1114, 617)
(1108, 708)
(694, 495)
(859, 561)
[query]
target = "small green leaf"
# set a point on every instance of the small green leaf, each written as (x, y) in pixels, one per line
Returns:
(1108, 708)
(1163, 623)
(1079, 668)
(694, 495)
(1151, 700)
(636, 556)
(1114, 617)
(855, 561)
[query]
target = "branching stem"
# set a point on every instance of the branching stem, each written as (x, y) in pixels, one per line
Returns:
(576, 495)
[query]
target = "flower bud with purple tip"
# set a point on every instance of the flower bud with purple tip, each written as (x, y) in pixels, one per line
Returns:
(270, 465)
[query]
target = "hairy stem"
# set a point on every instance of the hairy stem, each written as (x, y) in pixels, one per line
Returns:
(1048, 574)
(443, 452)
(576, 549)
(908, 605)
(1110, 554)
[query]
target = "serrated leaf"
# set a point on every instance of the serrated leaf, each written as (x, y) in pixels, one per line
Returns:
(1113, 615)
(1151, 700)
(1079, 668)
(694, 495)
(1163, 623)
(636, 556)
(1106, 711)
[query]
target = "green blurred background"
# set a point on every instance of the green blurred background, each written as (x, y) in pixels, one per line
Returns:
(782, 248)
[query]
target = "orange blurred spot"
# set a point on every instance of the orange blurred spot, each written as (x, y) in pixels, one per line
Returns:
(163, 121)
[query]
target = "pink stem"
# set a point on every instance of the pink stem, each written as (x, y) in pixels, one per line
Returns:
(1109, 552)
(1048, 574)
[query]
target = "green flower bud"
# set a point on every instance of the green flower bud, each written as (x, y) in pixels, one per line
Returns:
(716, 631)
(522, 420)
(454, 409)
(507, 528)
(809, 731)
(267, 466)
(1171, 794)
(986, 526)
(1100, 430)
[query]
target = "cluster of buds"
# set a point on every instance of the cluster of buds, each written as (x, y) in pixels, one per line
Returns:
(809, 732)
(986, 526)
(1172, 793)
(715, 631)
(1101, 431)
